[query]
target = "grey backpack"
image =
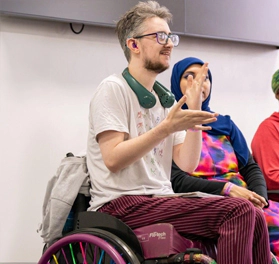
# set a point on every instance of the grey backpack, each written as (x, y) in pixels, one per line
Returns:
(70, 179)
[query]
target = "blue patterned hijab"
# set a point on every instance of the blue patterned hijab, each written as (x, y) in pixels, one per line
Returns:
(224, 125)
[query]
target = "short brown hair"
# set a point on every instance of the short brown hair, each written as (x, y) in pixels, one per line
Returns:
(131, 23)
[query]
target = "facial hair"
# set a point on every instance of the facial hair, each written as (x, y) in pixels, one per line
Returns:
(154, 66)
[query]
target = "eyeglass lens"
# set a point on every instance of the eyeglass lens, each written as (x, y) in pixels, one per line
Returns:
(163, 38)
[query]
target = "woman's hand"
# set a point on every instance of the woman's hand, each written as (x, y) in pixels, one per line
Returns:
(253, 197)
(193, 91)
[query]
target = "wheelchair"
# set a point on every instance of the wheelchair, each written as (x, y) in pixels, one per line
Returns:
(101, 238)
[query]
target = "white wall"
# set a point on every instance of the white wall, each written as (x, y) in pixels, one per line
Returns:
(47, 76)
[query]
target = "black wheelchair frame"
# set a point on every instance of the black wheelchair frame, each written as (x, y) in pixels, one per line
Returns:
(101, 238)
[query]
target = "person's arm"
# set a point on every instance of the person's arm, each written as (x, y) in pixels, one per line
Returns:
(254, 178)
(191, 147)
(183, 182)
(256, 188)
(265, 150)
(118, 151)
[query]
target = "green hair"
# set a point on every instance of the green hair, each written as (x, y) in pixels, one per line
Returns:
(275, 82)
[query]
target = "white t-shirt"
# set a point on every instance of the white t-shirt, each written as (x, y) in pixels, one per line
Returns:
(115, 106)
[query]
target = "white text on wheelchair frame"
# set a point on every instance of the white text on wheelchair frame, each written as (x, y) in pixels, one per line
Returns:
(145, 237)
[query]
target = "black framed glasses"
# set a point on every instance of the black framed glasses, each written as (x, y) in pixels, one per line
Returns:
(162, 38)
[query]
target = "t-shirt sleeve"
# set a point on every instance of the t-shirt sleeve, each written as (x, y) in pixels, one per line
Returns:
(108, 110)
(179, 137)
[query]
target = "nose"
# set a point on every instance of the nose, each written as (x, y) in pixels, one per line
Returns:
(169, 42)
(203, 86)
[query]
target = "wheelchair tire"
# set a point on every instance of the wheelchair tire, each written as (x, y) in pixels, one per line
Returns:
(89, 246)
(129, 254)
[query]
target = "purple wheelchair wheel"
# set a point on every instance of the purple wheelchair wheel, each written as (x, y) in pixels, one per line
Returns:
(82, 248)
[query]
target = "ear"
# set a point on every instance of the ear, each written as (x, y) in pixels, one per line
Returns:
(132, 45)
(277, 95)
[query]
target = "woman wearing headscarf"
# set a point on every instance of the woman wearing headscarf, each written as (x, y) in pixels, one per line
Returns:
(226, 165)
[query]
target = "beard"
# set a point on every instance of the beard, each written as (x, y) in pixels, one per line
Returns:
(155, 66)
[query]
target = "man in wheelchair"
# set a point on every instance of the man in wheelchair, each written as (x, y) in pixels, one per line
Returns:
(136, 129)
